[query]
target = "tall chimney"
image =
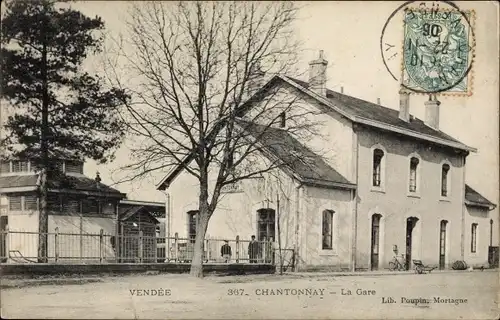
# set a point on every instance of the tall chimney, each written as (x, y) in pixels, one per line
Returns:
(317, 75)
(378, 100)
(404, 106)
(432, 112)
(255, 79)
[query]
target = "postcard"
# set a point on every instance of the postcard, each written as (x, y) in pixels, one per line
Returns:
(249, 160)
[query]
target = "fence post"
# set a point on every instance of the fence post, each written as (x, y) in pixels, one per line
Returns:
(56, 244)
(263, 245)
(81, 239)
(100, 244)
(207, 248)
(273, 255)
(140, 246)
(155, 248)
(176, 249)
(7, 243)
(121, 251)
(237, 249)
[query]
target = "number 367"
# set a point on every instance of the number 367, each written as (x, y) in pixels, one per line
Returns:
(235, 292)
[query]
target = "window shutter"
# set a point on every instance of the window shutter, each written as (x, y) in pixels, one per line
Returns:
(15, 203)
(74, 167)
(30, 202)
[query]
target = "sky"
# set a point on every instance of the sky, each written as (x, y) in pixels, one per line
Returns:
(349, 33)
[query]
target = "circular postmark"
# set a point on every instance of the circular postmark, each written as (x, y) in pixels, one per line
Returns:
(436, 51)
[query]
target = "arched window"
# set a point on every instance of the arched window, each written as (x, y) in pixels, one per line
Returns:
(377, 167)
(192, 218)
(327, 230)
(266, 221)
(445, 168)
(413, 174)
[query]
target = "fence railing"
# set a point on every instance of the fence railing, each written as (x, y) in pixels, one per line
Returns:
(223, 250)
(99, 248)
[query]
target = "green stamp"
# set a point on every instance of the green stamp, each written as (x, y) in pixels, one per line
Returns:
(437, 51)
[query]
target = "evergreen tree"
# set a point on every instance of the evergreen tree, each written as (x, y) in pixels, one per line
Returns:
(61, 111)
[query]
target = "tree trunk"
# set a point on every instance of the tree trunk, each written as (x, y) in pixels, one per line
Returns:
(43, 187)
(198, 254)
(42, 217)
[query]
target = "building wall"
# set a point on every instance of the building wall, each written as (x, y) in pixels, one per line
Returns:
(73, 244)
(236, 215)
(24, 244)
(327, 133)
(70, 244)
(395, 205)
(236, 212)
(316, 200)
(482, 218)
(20, 243)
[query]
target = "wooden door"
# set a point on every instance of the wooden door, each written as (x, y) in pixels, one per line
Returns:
(442, 244)
(375, 242)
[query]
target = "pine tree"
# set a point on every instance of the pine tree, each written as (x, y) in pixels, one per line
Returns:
(61, 111)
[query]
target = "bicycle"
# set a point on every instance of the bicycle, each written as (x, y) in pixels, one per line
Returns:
(395, 264)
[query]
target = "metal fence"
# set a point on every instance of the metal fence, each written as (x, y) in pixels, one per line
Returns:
(97, 248)
(223, 250)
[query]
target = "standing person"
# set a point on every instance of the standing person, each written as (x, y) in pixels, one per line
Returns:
(253, 250)
(225, 251)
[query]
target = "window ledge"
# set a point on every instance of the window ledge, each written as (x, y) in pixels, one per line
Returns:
(413, 195)
(445, 199)
(323, 252)
(377, 189)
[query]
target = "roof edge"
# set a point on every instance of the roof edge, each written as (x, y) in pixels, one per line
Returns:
(174, 172)
(17, 189)
(490, 206)
(378, 124)
(90, 193)
(414, 134)
(328, 184)
(142, 203)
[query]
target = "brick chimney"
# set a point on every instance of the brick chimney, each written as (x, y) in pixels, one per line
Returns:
(317, 75)
(432, 112)
(404, 106)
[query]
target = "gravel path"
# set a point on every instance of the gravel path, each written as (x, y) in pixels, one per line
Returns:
(262, 297)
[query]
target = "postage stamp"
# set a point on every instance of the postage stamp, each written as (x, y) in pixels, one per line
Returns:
(438, 51)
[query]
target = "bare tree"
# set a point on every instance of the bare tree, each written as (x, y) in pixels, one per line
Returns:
(195, 72)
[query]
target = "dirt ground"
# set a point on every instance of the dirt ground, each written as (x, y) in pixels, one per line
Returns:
(414, 296)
